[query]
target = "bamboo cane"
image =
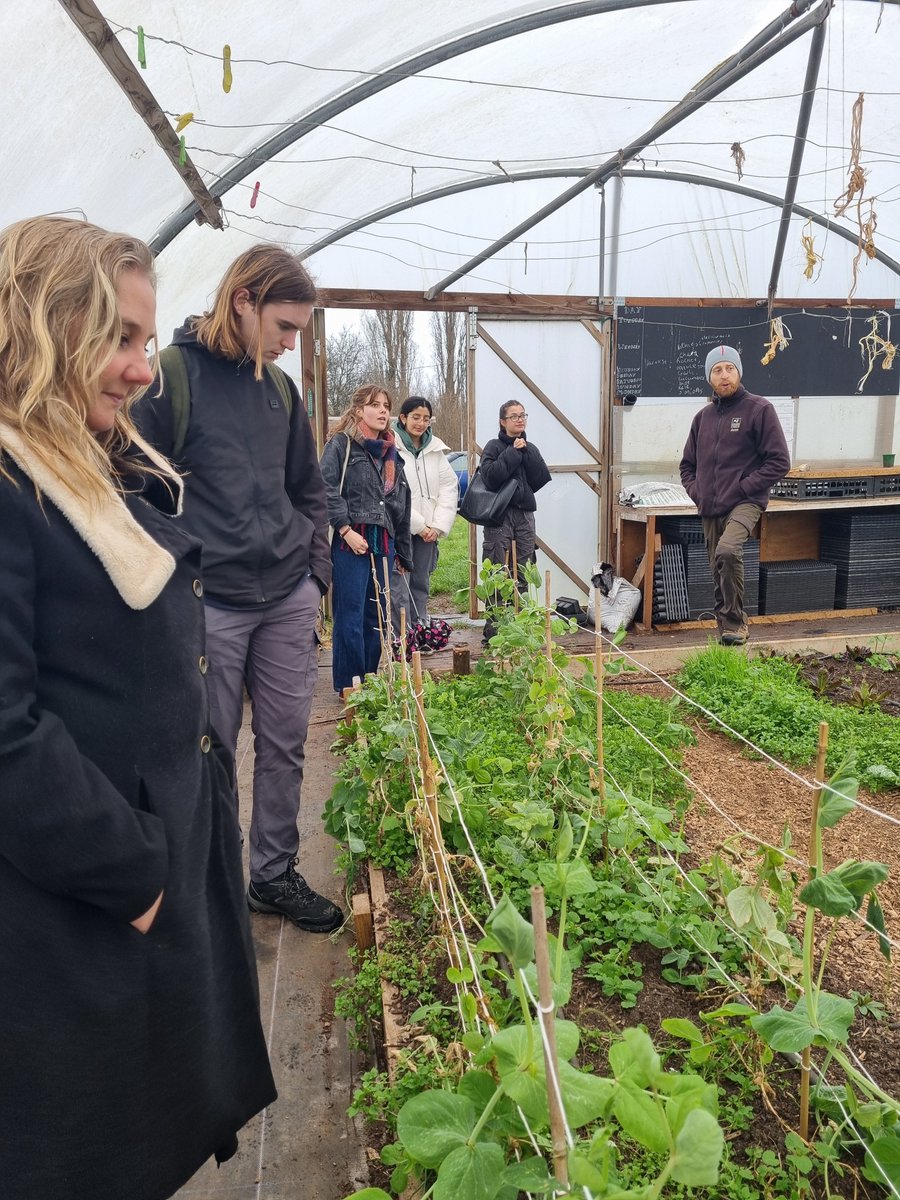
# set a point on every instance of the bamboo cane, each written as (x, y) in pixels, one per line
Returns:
(548, 617)
(805, 1058)
(545, 1015)
(599, 673)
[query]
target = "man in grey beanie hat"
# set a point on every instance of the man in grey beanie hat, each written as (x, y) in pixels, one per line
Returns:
(735, 451)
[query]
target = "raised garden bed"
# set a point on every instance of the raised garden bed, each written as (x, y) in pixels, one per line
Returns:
(671, 918)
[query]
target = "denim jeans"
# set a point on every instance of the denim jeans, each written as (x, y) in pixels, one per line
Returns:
(356, 641)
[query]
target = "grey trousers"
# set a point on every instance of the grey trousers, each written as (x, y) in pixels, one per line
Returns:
(725, 537)
(517, 526)
(411, 591)
(275, 650)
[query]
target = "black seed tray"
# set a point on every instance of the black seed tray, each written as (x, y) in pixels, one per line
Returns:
(681, 529)
(824, 489)
(670, 600)
(796, 585)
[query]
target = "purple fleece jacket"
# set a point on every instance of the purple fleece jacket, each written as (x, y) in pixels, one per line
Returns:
(734, 453)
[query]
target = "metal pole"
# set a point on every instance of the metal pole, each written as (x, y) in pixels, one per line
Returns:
(702, 93)
(790, 191)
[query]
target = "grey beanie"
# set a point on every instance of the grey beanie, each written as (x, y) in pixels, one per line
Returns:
(723, 354)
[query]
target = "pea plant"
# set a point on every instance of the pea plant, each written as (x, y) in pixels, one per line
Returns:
(463, 1142)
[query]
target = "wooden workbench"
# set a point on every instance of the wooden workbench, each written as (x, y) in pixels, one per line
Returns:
(788, 529)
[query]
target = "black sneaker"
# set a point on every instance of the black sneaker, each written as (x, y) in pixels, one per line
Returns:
(291, 896)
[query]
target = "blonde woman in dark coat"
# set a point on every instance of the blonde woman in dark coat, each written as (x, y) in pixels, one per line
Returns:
(130, 1040)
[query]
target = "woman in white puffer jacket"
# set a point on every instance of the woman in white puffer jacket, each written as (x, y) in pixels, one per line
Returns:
(432, 482)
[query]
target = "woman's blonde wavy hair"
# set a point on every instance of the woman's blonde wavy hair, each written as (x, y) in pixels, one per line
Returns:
(352, 415)
(59, 328)
(271, 276)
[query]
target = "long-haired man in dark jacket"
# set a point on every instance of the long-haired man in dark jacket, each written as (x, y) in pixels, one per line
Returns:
(735, 451)
(255, 498)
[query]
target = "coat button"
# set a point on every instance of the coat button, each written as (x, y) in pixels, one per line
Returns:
(205, 744)
(203, 664)
(198, 587)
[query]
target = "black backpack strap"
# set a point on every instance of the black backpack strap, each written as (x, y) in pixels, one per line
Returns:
(178, 389)
(281, 381)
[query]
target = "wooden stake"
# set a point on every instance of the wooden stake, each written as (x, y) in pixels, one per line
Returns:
(598, 672)
(548, 632)
(362, 921)
(805, 1058)
(462, 664)
(429, 784)
(515, 575)
(545, 1015)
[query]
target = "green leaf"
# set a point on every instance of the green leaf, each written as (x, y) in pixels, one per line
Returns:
(369, 1194)
(562, 987)
(883, 1160)
(875, 917)
(793, 1030)
(529, 1175)
(698, 1150)
(680, 1028)
(585, 1097)
(479, 1087)
(572, 878)
(460, 975)
(860, 878)
(634, 1058)
(356, 846)
(512, 933)
(566, 839)
(474, 1172)
(828, 894)
(747, 907)
(432, 1124)
(639, 1115)
(833, 806)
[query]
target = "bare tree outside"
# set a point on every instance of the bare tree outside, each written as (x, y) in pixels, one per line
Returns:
(448, 338)
(393, 357)
(349, 367)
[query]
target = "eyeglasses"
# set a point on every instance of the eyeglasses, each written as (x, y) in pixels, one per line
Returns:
(517, 417)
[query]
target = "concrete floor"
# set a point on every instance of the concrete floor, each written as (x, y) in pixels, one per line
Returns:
(304, 1147)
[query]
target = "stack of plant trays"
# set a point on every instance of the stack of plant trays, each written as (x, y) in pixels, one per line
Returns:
(796, 585)
(688, 532)
(864, 545)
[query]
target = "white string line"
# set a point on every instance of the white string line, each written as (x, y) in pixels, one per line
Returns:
(790, 857)
(739, 992)
(688, 779)
(550, 1067)
(720, 968)
(460, 988)
(875, 812)
(777, 971)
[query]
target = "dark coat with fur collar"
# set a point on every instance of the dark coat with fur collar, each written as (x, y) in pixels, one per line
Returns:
(127, 1059)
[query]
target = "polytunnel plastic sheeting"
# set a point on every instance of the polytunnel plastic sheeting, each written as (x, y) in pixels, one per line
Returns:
(558, 98)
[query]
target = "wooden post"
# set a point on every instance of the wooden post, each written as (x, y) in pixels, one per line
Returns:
(548, 632)
(462, 664)
(545, 1016)
(362, 921)
(515, 575)
(805, 1059)
(598, 672)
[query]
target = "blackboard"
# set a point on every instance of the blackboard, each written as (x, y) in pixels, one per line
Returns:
(661, 351)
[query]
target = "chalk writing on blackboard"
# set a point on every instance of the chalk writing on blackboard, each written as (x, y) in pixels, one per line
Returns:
(661, 351)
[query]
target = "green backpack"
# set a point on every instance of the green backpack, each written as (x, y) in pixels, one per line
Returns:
(179, 389)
